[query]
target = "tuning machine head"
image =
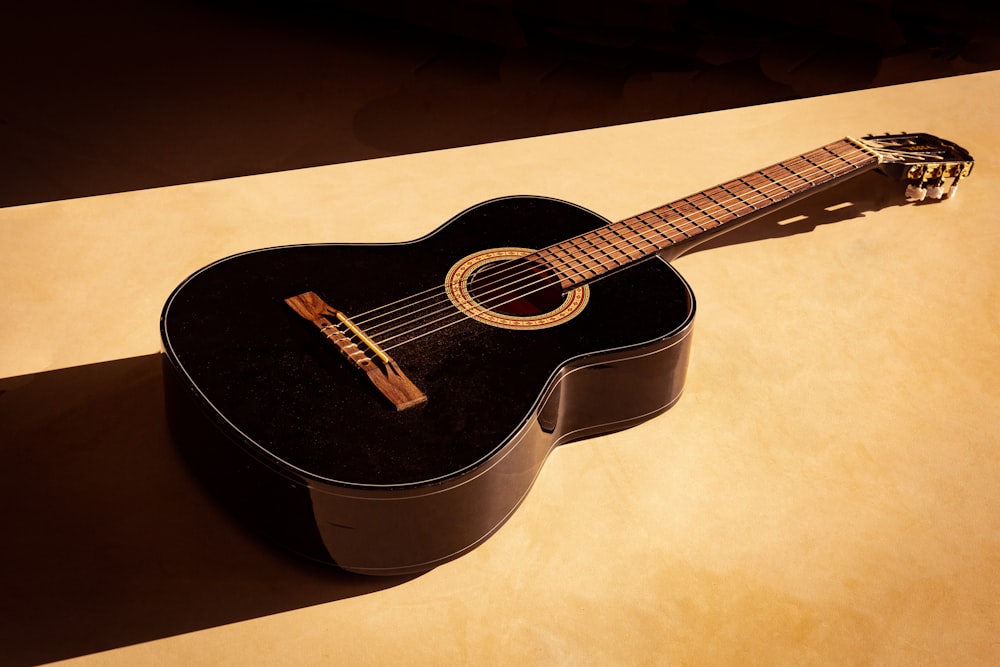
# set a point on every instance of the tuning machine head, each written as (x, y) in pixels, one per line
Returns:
(935, 180)
(929, 166)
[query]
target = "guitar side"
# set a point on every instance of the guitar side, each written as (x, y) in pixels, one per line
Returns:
(498, 402)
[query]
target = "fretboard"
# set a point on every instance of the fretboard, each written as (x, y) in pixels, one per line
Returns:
(585, 258)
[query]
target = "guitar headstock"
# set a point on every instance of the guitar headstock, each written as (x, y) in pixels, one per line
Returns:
(930, 166)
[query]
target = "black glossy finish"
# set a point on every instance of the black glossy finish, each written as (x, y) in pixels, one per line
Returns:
(301, 445)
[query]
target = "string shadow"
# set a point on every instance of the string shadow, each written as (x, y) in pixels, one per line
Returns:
(109, 540)
(867, 193)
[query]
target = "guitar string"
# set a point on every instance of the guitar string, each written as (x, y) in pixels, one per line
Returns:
(457, 316)
(769, 192)
(366, 317)
(814, 168)
(509, 295)
(652, 220)
(435, 291)
(638, 218)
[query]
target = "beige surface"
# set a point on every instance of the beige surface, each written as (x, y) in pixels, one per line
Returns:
(825, 492)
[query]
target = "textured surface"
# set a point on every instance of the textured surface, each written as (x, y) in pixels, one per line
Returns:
(825, 492)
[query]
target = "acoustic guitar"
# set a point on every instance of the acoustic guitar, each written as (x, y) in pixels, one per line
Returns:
(386, 407)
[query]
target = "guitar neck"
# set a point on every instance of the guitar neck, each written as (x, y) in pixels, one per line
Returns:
(585, 258)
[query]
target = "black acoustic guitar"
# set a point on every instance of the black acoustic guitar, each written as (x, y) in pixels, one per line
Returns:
(386, 407)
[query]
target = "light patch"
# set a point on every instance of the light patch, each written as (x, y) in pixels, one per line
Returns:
(793, 219)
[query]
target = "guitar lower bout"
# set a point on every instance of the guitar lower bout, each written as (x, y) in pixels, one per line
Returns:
(329, 464)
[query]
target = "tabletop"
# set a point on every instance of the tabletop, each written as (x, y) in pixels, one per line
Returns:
(825, 491)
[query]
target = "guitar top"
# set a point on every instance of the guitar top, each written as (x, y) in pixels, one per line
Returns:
(386, 407)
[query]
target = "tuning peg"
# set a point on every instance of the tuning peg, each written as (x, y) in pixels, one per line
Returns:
(915, 192)
(935, 191)
(954, 187)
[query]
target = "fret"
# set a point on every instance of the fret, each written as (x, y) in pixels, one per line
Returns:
(788, 191)
(847, 148)
(634, 237)
(689, 212)
(581, 242)
(732, 189)
(854, 156)
(693, 226)
(630, 237)
(781, 182)
(572, 248)
(586, 265)
(750, 186)
(801, 167)
(611, 249)
(653, 230)
(841, 158)
(584, 258)
(606, 248)
(575, 270)
(654, 236)
(814, 160)
(625, 246)
(668, 223)
(840, 150)
(568, 270)
(791, 173)
(722, 201)
(705, 205)
(630, 233)
(549, 257)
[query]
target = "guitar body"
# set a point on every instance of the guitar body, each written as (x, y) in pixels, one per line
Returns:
(298, 444)
(387, 407)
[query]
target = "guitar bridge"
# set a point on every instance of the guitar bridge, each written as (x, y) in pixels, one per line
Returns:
(368, 357)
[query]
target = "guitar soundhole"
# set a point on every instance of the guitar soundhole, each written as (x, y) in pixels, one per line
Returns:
(500, 288)
(516, 287)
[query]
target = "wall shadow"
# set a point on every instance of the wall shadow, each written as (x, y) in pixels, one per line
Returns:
(108, 539)
(106, 96)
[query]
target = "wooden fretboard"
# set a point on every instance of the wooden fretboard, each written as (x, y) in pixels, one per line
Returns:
(585, 258)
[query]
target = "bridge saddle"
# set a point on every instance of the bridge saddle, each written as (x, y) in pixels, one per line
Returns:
(367, 356)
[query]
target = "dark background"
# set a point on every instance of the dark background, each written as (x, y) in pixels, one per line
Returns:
(104, 96)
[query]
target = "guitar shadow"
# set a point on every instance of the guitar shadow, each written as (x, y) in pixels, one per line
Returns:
(109, 541)
(867, 193)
